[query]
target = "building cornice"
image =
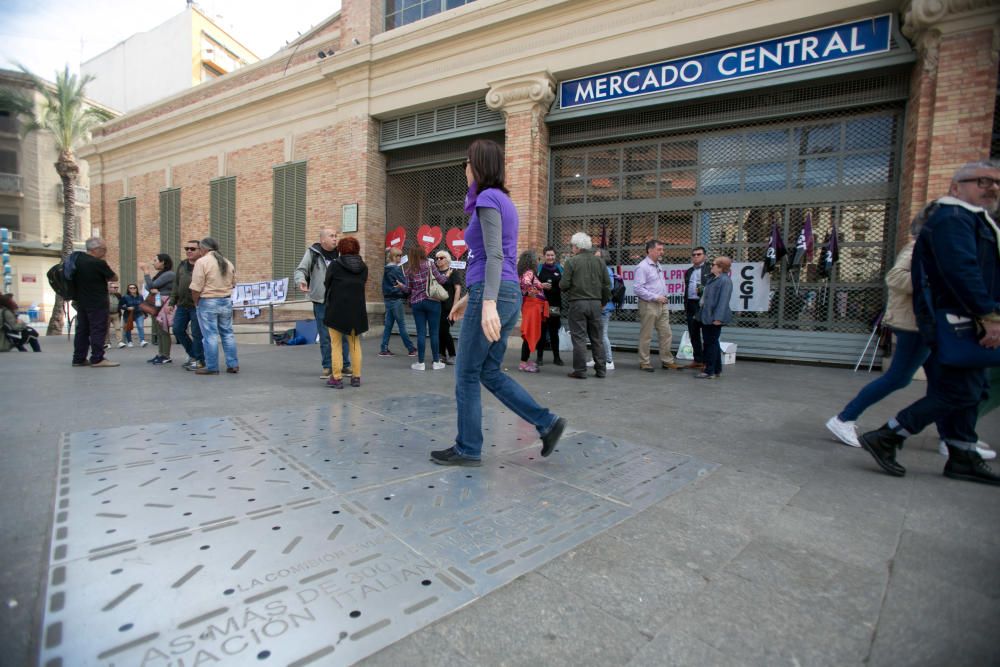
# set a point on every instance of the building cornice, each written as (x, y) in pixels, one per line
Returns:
(921, 17)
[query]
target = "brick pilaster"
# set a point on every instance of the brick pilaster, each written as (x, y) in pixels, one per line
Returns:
(525, 101)
(952, 92)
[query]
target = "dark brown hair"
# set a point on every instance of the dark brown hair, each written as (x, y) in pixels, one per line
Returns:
(486, 159)
(415, 258)
(7, 301)
(348, 246)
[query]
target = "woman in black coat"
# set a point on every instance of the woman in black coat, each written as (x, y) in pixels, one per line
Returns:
(346, 310)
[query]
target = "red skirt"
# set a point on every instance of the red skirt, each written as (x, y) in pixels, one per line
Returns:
(533, 311)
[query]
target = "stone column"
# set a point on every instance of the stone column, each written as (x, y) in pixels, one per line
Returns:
(952, 95)
(524, 102)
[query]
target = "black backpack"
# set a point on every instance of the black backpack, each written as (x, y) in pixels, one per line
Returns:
(618, 292)
(61, 277)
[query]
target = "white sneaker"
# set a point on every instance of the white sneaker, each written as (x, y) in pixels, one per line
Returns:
(143, 344)
(130, 345)
(982, 449)
(844, 431)
(417, 366)
(121, 345)
(437, 365)
(610, 366)
(590, 364)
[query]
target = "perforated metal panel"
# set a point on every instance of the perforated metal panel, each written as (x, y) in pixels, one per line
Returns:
(314, 536)
(435, 124)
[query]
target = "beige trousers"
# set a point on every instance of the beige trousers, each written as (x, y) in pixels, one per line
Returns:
(654, 315)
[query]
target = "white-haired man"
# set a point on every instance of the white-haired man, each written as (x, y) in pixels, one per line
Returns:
(585, 289)
(651, 290)
(956, 277)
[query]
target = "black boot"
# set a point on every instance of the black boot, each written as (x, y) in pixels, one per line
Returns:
(538, 358)
(882, 445)
(967, 464)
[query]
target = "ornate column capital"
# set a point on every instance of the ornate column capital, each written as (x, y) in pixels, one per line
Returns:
(943, 16)
(534, 92)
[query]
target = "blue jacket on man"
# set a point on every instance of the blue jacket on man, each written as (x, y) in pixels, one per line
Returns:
(958, 253)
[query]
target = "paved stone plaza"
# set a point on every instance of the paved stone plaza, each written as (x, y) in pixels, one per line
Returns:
(153, 517)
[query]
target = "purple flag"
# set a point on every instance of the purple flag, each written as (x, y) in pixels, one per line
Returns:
(775, 251)
(830, 254)
(804, 244)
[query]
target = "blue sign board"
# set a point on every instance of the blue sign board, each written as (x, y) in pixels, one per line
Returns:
(850, 40)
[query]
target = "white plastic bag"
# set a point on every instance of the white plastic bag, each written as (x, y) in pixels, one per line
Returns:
(685, 350)
(565, 340)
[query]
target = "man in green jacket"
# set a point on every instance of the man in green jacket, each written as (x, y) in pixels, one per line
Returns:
(585, 289)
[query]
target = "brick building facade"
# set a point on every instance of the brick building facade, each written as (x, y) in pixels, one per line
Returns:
(380, 120)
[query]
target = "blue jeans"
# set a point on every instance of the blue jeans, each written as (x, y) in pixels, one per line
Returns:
(319, 312)
(480, 361)
(711, 352)
(910, 354)
(138, 322)
(427, 314)
(191, 344)
(216, 319)
(394, 315)
(605, 320)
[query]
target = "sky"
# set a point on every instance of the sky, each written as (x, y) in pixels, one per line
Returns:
(47, 35)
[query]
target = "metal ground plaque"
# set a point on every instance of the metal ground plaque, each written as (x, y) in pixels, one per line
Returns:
(315, 536)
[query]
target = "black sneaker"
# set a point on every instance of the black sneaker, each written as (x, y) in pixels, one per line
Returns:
(882, 445)
(449, 457)
(968, 465)
(81, 364)
(551, 439)
(558, 362)
(164, 360)
(154, 360)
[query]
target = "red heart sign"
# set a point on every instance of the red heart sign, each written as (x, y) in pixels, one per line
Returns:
(396, 238)
(429, 237)
(455, 238)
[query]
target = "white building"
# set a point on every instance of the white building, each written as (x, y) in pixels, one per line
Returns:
(180, 53)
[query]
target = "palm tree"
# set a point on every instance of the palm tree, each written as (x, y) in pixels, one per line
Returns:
(64, 112)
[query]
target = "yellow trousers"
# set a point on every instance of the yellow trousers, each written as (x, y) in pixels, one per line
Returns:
(337, 353)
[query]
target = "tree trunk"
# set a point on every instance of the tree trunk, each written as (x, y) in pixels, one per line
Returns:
(68, 171)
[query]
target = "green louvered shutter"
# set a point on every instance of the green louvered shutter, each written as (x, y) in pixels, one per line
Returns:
(170, 223)
(128, 263)
(222, 214)
(289, 217)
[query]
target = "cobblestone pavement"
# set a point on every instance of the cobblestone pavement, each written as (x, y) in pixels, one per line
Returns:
(780, 547)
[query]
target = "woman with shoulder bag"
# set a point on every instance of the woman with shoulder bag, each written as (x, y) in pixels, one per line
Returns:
(132, 316)
(159, 286)
(714, 313)
(420, 271)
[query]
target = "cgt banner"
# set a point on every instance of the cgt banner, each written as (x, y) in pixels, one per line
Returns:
(751, 292)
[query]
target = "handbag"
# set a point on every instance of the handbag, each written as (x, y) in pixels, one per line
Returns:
(957, 342)
(130, 321)
(435, 290)
(148, 305)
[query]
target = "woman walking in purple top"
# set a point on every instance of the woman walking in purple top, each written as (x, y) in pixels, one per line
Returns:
(490, 308)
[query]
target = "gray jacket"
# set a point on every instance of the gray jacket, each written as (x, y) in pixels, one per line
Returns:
(312, 270)
(715, 300)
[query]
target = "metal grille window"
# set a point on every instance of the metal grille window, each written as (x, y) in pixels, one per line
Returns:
(433, 197)
(402, 12)
(127, 259)
(289, 219)
(222, 215)
(465, 118)
(724, 188)
(170, 223)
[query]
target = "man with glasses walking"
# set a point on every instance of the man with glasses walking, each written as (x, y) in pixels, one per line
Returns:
(185, 312)
(957, 256)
